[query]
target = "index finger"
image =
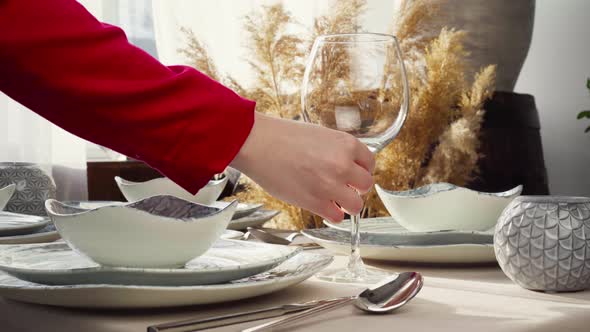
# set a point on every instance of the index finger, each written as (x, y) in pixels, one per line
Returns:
(365, 158)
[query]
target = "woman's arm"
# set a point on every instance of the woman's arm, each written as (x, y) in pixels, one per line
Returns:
(84, 76)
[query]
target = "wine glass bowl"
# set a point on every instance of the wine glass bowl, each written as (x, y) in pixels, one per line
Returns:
(356, 83)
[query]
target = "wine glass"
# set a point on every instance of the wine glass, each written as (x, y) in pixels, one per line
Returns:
(356, 83)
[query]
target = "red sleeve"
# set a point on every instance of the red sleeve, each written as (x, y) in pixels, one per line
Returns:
(84, 76)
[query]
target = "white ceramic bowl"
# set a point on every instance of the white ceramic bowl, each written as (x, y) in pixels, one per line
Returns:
(5, 194)
(443, 206)
(135, 191)
(157, 232)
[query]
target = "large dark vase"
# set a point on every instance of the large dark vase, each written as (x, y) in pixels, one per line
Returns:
(512, 152)
(33, 187)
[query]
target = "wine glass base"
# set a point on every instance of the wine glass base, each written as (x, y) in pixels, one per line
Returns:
(343, 275)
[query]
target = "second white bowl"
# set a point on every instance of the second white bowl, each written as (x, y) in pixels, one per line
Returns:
(444, 206)
(157, 232)
(135, 191)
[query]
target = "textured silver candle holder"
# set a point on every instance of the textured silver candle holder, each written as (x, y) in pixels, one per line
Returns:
(33, 187)
(543, 242)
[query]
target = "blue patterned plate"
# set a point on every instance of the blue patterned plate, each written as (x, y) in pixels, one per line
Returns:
(43, 235)
(57, 264)
(19, 224)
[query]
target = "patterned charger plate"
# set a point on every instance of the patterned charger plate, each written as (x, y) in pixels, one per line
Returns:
(57, 264)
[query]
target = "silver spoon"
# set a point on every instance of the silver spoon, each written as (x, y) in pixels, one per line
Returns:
(267, 237)
(384, 297)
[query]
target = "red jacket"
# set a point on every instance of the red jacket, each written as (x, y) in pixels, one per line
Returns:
(84, 76)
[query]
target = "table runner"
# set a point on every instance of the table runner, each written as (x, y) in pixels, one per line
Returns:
(453, 299)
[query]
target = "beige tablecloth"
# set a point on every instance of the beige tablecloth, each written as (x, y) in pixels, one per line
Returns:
(453, 299)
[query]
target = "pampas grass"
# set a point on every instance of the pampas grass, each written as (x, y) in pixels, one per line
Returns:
(440, 139)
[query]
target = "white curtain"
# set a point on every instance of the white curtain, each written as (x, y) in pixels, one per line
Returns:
(219, 25)
(27, 137)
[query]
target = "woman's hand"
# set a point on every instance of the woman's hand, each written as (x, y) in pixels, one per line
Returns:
(307, 165)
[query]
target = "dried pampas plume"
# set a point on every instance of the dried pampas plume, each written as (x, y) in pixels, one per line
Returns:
(455, 158)
(277, 60)
(197, 55)
(440, 139)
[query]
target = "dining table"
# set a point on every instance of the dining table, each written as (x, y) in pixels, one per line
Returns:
(454, 298)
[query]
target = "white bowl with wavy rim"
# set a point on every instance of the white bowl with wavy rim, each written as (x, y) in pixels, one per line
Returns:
(5, 195)
(135, 191)
(444, 206)
(156, 232)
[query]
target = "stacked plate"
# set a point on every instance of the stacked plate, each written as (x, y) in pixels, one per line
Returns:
(18, 228)
(54, 274)
(436, 223)
(385, 239)
(158, 232)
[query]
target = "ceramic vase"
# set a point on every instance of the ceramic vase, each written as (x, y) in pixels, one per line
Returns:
(543, 242)
(33, 187)
(498, 32)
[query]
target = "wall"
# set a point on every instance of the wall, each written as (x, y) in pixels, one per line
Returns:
(555, 72)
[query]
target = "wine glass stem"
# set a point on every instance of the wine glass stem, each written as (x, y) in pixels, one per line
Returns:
(356, 267)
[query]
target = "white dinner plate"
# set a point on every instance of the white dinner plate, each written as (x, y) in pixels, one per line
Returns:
(57, 264)
(19, 224)
(384, 248)
(291, 272)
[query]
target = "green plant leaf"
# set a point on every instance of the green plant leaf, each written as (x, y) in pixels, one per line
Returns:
(587, 129)
(584, 114)
(588, 83)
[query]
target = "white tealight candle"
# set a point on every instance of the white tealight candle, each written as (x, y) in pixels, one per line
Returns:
(348, 118)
